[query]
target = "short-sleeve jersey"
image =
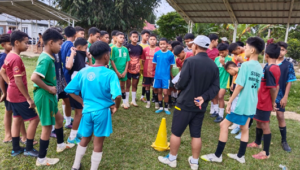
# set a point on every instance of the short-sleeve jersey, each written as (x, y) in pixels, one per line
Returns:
(65, 51)
(2, 58)
(212, 54)
(186, 49)
(98, 86)
(249, 77)
(46, 69)
(163, 61)
(60, 78)
(147, 56)
(223, 74)
(14, 67)
(78, 63)
(120, 57)
(135, 52)
(269, 80)
(179, 63)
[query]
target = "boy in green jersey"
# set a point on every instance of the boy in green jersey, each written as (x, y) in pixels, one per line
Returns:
(119, 58)
(224, 75)
(94, 35)
(44, 78)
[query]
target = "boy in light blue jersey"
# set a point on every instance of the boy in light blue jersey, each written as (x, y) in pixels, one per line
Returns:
(164, 60)
(99, 86)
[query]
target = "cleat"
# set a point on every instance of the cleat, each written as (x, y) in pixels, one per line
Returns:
(47, 162)
(193, 166)
(234, 156)
(254, 145)
(211, 158)
(166, 160)
(159, 111)
(15, 153)
(32, 153)
(66, 146)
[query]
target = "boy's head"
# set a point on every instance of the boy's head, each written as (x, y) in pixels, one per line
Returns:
(214, 38)
(40, 34)
(5, 42)
(120, 37)
(145, 35)
(272, 51)
(255, 45)
(104, 36)
(235, 49)
(152, 40)
(231, 68)
(100, 51)
(79, 32)
(223, 49)
(179, 52)
(70, 32)
(188, 38)
(169, 46)
(94, 34)
(114, 35)
(283, 48)
(163, 44)
(52, 40)
(19, 40)
(134, 36)
(173, 44)
(81, 44)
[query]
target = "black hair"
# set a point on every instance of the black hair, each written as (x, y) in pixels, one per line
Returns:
(145, 32)
(133, 32)
(40, 33)
(93, 31)
(99, 48)
(257, 43)
(58, 29)
(240, 43)
(114, 33)
(153, 35)
(189, 36)
(226, 42)
(120, 33)
(51, 34)
(102, 33)
(229, 64)
(222, 47)
(163, 39)
(4, 38)
(80, 41)
(69, 31)
(179, 38)
(232, 47)
(213, 37)
(273, 50)
(78, 28)
(170, 42)
(283, 44)
(175, 43)
(177, 49)
(17, 36)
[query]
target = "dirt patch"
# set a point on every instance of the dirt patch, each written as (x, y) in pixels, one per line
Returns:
(290, 115)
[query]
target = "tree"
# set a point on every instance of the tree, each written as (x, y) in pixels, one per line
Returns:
(123, 15)
(171, 25)
(294, 49)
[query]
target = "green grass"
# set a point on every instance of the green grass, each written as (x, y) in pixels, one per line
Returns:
(1, 48)
(298, 76)
(135, 130)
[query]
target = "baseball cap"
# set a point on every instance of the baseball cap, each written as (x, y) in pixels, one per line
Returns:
(224, 39)
(202, 41)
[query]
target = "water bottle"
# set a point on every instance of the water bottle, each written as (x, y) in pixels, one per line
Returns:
(283, 167)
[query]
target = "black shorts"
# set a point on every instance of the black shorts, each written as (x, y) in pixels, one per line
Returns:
(280, 109)
(63, 95)
(8, 106)
(134, 76)
(262, 116)
(75, 104)
(22, 110)
(148, 81)
(183, 118)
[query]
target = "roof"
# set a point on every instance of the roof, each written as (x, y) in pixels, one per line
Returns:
(33, 10)
(239, 11)
(12, 19)
(150, 27)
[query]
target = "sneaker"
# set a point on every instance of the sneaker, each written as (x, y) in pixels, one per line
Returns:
(15, 153)
(67, 146)
(165, 160)
(236, 130)
(75, 141)
(134, 104)
(32, 153)
(143, 99)
(261, 155)
(77, 168)
(124, 105)
(233, 126)
(215, 114)
(148, 105)
(234, 156)
(212, 158)
(153, 100)
(218, 119)
(159, 111)
(69, 126)
(286, 147)
(193, 166)
(254, 145)
(53, 134)
(167, 112)
(47, 162)
(238, 136)
(156, 105)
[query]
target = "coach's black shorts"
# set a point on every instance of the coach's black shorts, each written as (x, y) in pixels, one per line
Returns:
(133, 76)
(8, 106)
(22, 110)
(262, 116)
(75, 104)
(63, 95)
(148, 81)
(183, 118)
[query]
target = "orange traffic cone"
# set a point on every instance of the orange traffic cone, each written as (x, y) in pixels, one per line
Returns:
(161, 142)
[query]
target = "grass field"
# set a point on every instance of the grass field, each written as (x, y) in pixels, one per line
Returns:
(135, 130)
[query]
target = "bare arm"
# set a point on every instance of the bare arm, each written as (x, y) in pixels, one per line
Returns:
(274, 92)
(125, 72)
(77, 98)
(70, 60)
(24, 91)
(116, 106)
(3, 89)
(236, 92)
(115, 68)
(38, 81)
(4, 75)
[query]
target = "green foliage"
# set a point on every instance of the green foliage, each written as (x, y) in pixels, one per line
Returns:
(294, 49)
(108, 15)
(151, 18)
(171, 25)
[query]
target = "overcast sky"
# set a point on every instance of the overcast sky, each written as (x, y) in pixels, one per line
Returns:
(163, 8)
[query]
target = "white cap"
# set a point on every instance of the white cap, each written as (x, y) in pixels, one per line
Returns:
(201, 41)
(224, 39)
